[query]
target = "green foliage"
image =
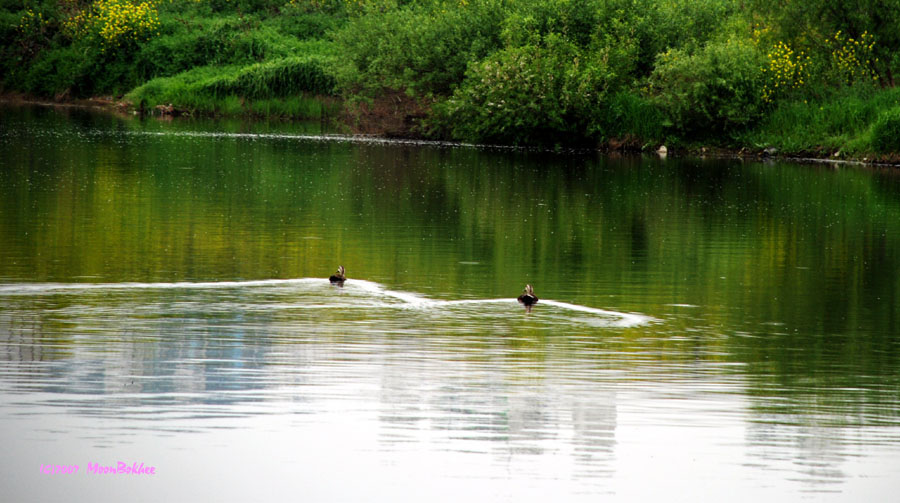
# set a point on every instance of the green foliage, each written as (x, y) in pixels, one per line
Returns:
(656, 26)
(885, 136)
(530, 20)
(277, 87)
(510, 71)
(718, 87)
(530, 95)
(840, 120)
(278, 78)
(59, 71)
(241, 6)
(218, 41)
(303, 26)
(628, 115)
(425, 48)
(811, 23)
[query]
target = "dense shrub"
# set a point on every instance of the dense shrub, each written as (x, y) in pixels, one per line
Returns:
(59, 71)
(656, 26)
(307, 25)
(718, 87)
(529, 20)
(421, 48)
(229, 40)
(541, 94)
(886, 132)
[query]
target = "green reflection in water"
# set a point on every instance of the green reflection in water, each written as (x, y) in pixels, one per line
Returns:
(792, 272)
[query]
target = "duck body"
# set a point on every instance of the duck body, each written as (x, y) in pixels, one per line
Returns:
(338, 278)
(528, 298)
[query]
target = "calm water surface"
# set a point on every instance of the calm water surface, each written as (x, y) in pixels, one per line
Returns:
(707, 330)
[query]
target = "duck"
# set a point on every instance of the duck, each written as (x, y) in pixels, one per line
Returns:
(338, 278)
(528, 298)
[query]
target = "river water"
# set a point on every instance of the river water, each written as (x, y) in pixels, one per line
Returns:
(707, 329)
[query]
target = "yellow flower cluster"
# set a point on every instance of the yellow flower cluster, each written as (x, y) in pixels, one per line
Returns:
(116, 22)
(31, 22)
(853, 59)
(785, 71)
(760, 33)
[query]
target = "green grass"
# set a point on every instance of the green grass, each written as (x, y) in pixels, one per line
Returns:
(631, 116)
(279, 78)
(843, 121)
(884, 136)
(262, 89)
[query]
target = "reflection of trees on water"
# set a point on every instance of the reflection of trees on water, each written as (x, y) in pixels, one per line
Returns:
(110, 347)
(594, 417)
(520, 415)
(809, 454)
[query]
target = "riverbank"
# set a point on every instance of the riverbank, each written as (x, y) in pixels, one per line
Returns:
(586, 74)
(338, 124)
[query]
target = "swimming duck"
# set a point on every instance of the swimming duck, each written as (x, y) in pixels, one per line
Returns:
(338, 278)
(528, 298)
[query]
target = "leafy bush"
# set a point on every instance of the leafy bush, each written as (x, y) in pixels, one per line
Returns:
(425, 48)
(886, 132)
(718, 87)
(218, 41)
(66, 70)
(530, 20)
(303, 25)
(542, 94)
(656, 26)
(646, 27)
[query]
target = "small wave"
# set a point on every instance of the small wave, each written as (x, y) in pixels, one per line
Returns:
(625, 319)
(412, 299)
(9, 289)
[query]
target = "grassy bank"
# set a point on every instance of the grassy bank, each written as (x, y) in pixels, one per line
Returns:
(806, 78)
(228, 57)
(852, 123)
